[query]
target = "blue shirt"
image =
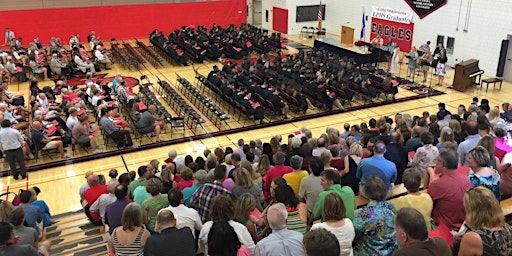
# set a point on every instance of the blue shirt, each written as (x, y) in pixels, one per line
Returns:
(376, 166)
(188, 192)
(32, 215)
(45, 211)
(282, 242)
(467, 145)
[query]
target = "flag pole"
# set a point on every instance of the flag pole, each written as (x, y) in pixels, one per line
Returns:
(364, 28)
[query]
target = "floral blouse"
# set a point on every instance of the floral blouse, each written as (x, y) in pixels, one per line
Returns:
(424, 157)
(492, 182)
(375, 232)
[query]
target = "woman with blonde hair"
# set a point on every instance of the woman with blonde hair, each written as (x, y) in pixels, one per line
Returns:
(447, 135)
(488, 233)
(457, 130)
(352, 160)
(488, 143)
(156, 165)
(130, 238)
(404, 130)
(244, 205)
(167, 177)
(255, 176)
(264, 165)
(494, 116)
(244, 184)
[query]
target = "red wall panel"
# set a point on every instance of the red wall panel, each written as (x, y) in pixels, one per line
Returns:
(280, 20)
(121, 22)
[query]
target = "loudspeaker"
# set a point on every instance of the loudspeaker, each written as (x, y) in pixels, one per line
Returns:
(503, 58)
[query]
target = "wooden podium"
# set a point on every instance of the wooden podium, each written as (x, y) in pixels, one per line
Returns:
(347, 35)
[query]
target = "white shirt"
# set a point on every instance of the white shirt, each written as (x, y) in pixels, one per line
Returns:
(345, 235)
(186, 217)
(10, 139)
(101, 204)
(95, 100)
(240, 230)
(99, 55)
(72, 120)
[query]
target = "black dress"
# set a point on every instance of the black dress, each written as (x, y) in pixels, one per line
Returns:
(350, 179)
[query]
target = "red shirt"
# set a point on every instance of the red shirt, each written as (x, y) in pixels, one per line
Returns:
(276, 171)
(92, 194)
(185, 184)
(447, 192)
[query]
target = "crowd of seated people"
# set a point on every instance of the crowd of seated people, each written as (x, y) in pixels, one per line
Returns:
(23, 224)
(302, 80)
(198, 44)
(252, 189)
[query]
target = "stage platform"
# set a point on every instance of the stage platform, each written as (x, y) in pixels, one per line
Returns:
(334, 46)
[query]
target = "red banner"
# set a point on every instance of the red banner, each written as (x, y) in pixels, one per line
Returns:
(399, 32)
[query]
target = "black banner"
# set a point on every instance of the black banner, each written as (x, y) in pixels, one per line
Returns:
(425, 7)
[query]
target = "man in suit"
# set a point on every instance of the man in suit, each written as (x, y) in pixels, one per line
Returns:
(170, 239)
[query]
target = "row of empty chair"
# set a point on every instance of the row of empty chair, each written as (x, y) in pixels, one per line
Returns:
(180, 106)
(123, 58)
(205, 104)
(155, 59)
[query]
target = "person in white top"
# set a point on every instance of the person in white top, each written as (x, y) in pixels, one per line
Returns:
(102, 58)
(335, 221)
(72, 118)
(185, 217)
(82, 65)
(223, 209)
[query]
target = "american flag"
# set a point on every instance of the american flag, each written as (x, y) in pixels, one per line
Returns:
(320, 16)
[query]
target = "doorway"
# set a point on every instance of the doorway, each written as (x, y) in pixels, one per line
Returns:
(256, 12)
(507, 72)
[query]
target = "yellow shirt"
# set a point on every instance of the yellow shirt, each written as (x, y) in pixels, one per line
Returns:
(293, 180)
(423, 203)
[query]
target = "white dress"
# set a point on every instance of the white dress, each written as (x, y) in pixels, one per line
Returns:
(394, 62)
(345, 235)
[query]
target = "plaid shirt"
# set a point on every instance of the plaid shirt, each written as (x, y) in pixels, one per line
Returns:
(204, 195)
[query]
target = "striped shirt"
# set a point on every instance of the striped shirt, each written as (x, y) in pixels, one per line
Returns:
(294, 222)
(135, 248)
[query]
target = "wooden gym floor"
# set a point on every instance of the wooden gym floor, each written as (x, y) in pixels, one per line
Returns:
(59, 185)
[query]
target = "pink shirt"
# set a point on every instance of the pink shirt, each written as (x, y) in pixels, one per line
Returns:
(276, 171)
(447, 192)
(506, 176)
(501, 147)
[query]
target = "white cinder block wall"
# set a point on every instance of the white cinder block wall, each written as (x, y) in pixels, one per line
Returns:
(490, 22)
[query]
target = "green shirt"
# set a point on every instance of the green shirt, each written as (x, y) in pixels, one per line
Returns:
(346, 194)
(152, 206)
(134, 184)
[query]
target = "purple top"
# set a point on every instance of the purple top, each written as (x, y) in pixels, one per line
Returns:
(114, 212)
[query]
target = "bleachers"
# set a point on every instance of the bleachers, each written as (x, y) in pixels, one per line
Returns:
(73, 234)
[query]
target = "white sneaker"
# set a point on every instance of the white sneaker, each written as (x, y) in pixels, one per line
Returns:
(97, 151)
